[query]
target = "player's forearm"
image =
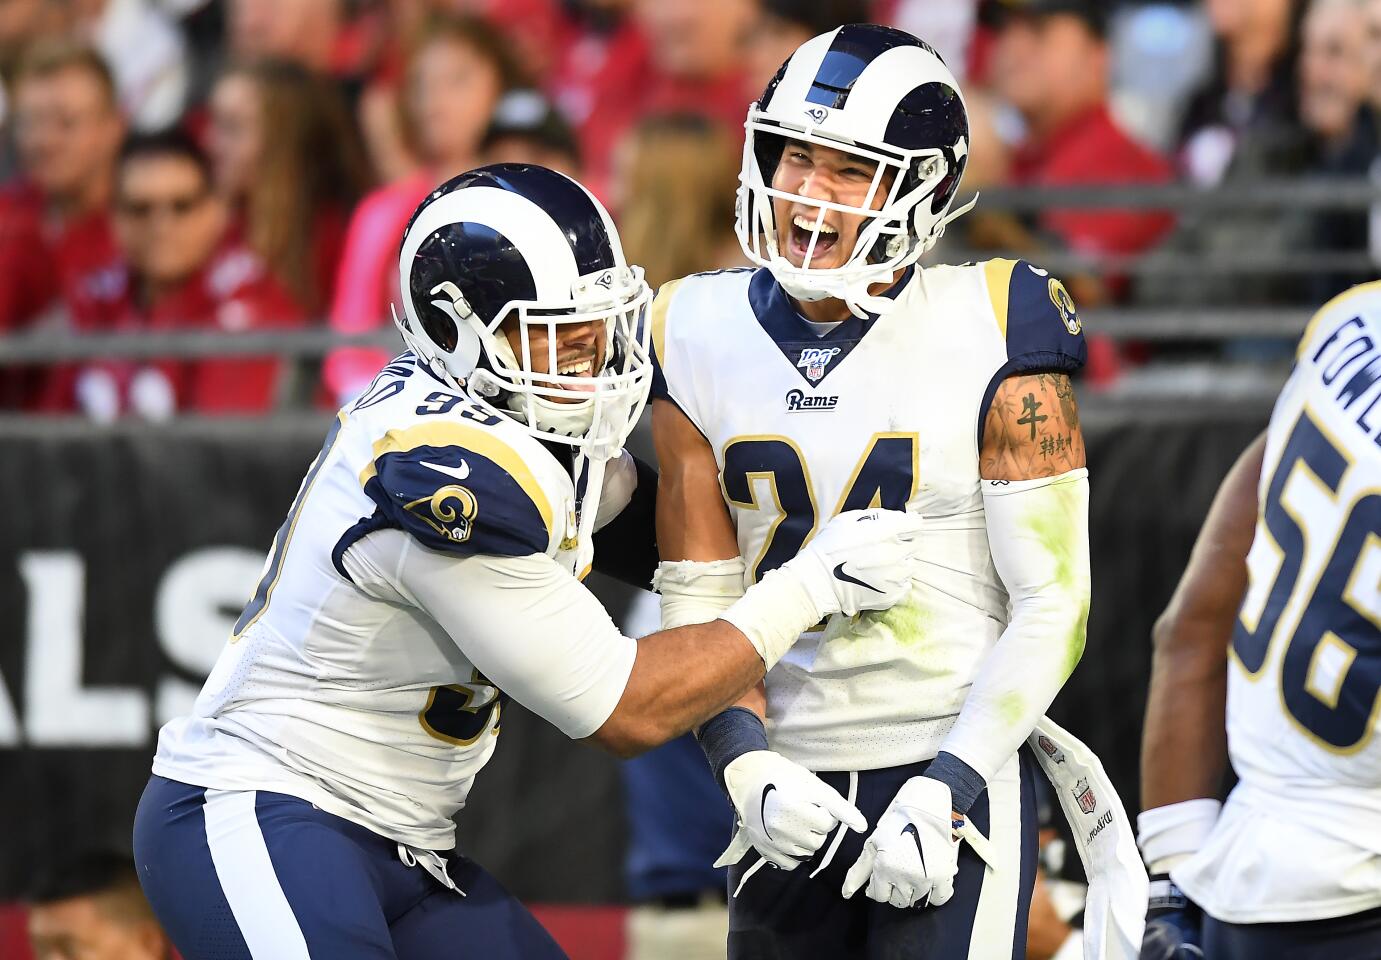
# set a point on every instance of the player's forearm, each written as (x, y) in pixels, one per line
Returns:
(685, 675)
(1038, 533)
(681, 677)
(1013, 689)
(1184, 748)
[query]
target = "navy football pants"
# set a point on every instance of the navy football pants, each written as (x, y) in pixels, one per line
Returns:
(788, 915)
(248, 875)
(1355, 937)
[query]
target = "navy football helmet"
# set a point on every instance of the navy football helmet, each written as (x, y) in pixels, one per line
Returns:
(521, 243)
(886, 97)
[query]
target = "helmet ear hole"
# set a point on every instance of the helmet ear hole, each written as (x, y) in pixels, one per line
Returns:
(441, 328)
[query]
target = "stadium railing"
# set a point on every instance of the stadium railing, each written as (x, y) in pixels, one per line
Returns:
(1205, 325)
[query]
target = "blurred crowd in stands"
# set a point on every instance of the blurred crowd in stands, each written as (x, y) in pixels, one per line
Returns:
(248, 165)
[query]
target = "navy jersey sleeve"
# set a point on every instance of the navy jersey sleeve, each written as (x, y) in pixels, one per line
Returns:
(1041, 324)
(1038, 320)
(456, 489)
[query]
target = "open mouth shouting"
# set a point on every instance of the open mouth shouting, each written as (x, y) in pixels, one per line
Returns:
(803, 228)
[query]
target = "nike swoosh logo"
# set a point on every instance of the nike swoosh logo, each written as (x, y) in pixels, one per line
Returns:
(915, 835)
(841, 575)
(460, 473)
(762, 811)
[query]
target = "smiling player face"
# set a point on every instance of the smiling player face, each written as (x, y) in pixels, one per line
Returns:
(579, 350)
(815, 172)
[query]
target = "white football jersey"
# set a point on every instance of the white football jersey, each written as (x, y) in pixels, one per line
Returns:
(1300, 836)
(807, 421)
(349, 694)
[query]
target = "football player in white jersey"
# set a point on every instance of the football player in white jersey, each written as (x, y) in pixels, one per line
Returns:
(1286, 576)
(427, 572)
(837, 375)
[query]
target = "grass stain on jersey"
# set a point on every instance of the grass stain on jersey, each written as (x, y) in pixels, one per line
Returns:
(909, 621)
(1052, 527)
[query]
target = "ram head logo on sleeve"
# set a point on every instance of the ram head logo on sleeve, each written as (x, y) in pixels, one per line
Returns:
(450, 511)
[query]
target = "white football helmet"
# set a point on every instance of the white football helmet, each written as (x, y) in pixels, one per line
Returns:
(886, 97)
(521, 243)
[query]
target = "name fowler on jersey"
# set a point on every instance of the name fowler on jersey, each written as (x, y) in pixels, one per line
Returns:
(1348, 363)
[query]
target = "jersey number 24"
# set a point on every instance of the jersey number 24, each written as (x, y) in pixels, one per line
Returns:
(885, 476)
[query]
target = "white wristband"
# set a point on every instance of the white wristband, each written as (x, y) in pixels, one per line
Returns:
(1175, 831)
(697, 591)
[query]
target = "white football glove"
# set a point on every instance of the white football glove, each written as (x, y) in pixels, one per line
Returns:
(861, 560)
(912, 857)
(784, 810)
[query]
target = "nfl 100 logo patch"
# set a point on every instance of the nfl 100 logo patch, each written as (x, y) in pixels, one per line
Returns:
(814, 361)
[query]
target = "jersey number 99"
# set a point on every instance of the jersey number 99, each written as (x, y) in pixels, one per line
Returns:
(459, 714)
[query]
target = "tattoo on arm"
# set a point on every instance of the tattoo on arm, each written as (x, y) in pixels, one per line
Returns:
(1029, 406)
(1032, 429)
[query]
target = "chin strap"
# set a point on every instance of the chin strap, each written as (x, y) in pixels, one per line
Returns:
(854, 293)
(593, 469)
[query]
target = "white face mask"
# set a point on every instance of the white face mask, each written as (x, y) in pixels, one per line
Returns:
(592, 410)
(903, 225)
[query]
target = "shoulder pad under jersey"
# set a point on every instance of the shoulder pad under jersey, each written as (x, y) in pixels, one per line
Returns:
(456, 487)
(671, 299)
(657, 316)
(1037, 318)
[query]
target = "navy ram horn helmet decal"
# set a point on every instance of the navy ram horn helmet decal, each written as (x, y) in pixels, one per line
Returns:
(517, 248)
(881, 95)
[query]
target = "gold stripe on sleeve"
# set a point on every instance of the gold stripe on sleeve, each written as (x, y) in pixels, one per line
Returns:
(998, 274)
(448, 433)
(660, 307)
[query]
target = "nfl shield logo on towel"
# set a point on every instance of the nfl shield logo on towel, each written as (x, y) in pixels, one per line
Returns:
(1084, 794)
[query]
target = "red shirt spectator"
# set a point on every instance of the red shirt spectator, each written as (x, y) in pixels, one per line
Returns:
(1092, 148)
(454, 78)
(289, 162)
(232, 293)
(1051, 63)
(368, 280)
(53, 223)
(43, 255)
(326, 248)
(673, 56)
(174, 272)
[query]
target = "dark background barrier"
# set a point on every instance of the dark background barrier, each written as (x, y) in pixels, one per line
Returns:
(126, 554)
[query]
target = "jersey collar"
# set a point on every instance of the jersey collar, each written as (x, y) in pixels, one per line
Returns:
(813, 353)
